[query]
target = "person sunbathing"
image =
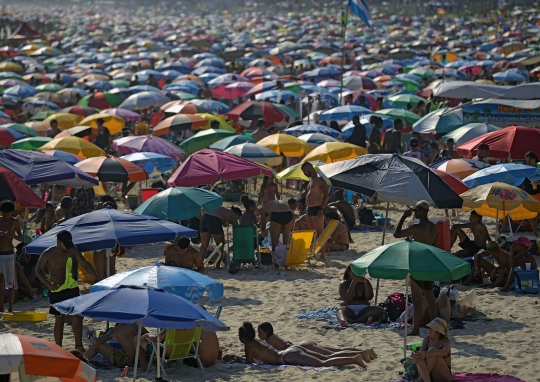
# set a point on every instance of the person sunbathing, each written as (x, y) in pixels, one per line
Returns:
(259, 352)
(181, 254)
(339, 240)
(433, 360)
(481, 266)
(265, 332)
(356, 292)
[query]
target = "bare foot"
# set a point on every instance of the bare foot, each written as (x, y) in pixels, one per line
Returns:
(366, 356)
(344, 323)
(81, 349)
(373, 354)
(360, 361)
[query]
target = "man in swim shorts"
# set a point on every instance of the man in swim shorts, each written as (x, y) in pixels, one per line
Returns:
(479, 231)
(316, 198)
(181, 254)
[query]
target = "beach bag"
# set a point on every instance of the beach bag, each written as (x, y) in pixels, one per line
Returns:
(365, 215)
(394, 305)
(526, 282)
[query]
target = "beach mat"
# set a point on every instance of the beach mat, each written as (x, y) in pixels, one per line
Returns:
(328, 314)
(474, 377)
(276, 367)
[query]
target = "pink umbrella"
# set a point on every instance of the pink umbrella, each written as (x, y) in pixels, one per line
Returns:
(128, 115)
(147, 143)
(209, 166)
(329, 84)
(232, 90)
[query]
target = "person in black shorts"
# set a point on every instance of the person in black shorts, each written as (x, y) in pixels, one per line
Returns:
(211, 227)
(280, 220)
(479, 231)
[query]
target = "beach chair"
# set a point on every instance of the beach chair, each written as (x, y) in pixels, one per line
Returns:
(217, 254)
(185, 344)
(323, 238)
(299, 249)
(244, 237)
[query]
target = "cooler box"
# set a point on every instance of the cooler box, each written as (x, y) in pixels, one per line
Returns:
(147, 193)
(84, 276)
(526, 281)
(443, 228)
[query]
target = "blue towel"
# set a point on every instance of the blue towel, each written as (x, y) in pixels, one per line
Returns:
(326, 313)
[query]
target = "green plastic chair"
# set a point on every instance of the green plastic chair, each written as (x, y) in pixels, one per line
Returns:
(244, 237)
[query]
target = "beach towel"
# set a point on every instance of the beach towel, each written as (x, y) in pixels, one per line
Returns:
(473, 377)
(277, 367)
(328, 314)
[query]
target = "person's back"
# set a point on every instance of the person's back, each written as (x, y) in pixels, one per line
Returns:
(358, 136)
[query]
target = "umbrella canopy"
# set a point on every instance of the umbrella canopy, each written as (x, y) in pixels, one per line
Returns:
(178, 123)
(510, 173)
(469, 132)
(181, 282)
(144, 100)
(295, 171)
(112, 169)
(439, 121)
(151, 161)
(233, 140)
(103, 229)
(316, 139)
(165, 204)
(423, 262)
(395, 178)
(346, 112)
(8, 136)
(14, 189)
(83, 111)
(515, 141)
(455, 184)
(34, 168)
(312, 129)
(460, 168)
(32, 143)
(74, 145)
(405, 115)
(35, 358)
(224, 125)
(255, 153)
(203, 139)
(23, 129)
(77, 131)
(146, 143)
(186, 108)
(101, 100)
(65, 120)
(113, 123)
(286, 145)
(208, 166)
(62, 155)
(331, 152)
(499, 196)
(127, 115)
(402, 100)
(254, 110)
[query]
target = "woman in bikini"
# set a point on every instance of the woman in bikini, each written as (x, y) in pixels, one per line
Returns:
(280, 217)
(433, 361)
(265, 332)
(259, 352)
(211, 227)
(269, 191)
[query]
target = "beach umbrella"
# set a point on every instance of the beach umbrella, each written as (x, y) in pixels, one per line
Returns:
(262, 87)
(65, 120)
(232, 90)
(509, 75)
(74, 145)
(510, 173)
(14, 189)
(513, 141)
(203, 139)
(127, 115)
(331, 152)
(346, 112)
(312, 129)
(405, 115)
(211, 117)
(233, 140)
(64, 156)
(469, 132)
(21, 91)
(32, 143)
(23, 129)
(112, 169)
(29, 358)
(83, 111)
(455, 184)
(151, 161)
(147, 143)
(113, 123)
(316, 139)
(77, 131)
(347, 130)
(101, 100)
(295, 172)
(34, 168)
(51, 97)
(49, 87)
(144, 100)
(8, 136)
(255, 153)
(422, 72)
(286, 145)
(178, 123)
(186, 108)
(42, 115)
(209, 166)
(287, 111)
(254, 110)
(34, 105)
(181, 282)
(402, 100)
(438, 121)
(165, 204)
(460, 168)
(214, 107)
(359, 82)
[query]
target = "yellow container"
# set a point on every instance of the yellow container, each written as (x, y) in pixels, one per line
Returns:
(25, 317)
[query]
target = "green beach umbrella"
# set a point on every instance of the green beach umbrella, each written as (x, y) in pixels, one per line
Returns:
(101, 100)
(409, 84)
(405, 115)
(292, 87)
(225, 143)
(423, 72)
(469, 132)
(32, 143)
(203, 139)
(120, 83)
(42, 115)
(50, 87)
(405, 99)
(185, 96)
(287, 110)
(23, 129)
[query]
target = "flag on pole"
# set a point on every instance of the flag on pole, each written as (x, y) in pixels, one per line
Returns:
(344, 19)
(360, 9)
(500, 15)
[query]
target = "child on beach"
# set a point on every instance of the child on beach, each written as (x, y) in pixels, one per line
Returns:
(433, 361)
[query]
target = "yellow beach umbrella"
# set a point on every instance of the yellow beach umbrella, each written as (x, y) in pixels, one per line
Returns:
(331, 152)
(295, 172)
(519, 213)
(74, 145)
(65, 120)
(499, 196)
(286, 145)
(11, 67)
(211, 117)
(113, 123)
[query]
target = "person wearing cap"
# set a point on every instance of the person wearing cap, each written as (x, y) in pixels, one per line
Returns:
(415, 152)
(434, 360)
(162, 183)
(61, 263)
(479, 231)
(449, 151)
(425, 232)
(482, 154)
(66, 204)
(520, 257)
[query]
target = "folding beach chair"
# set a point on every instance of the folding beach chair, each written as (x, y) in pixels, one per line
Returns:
(185, 344)
(245, 244)
(215, 254)
(299, 249)
(323, 238)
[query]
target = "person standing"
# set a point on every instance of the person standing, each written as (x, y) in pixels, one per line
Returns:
(358, 136)
(532, 188)
(392, 139)
(415, 152)
(483, 154)
(66, 204)
(316, 198)
(10, 229)
(425, 232)
(449, 150)
(61, 263)
(103, 139)
(376, 123)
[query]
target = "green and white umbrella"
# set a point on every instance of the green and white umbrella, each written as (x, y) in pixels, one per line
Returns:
(405, 115)
(405, 99)
(469, 132)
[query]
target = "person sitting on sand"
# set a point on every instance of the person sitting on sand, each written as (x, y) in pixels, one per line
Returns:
(519, 258)
(265, 332)
(259, 352)
(479, 231)
(433, 360)
(181, 254)
(339, 240)
(212, 224)
(300, 224)
(280, 216)
(356, 293)
(481, 266)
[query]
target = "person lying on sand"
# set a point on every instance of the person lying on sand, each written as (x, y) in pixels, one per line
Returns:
(356, 292)
(259, 352)
(433, 360)
(519, 258)
(481, 266)
(265, 332)
(181, 254)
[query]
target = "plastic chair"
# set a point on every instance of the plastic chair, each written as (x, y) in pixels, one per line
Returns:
(323, 238)
(147, 193)
(299, 249)
(183, 342)
(244, 237)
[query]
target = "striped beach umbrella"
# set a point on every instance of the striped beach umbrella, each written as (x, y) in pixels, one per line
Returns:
(112, 169)
(179, 122)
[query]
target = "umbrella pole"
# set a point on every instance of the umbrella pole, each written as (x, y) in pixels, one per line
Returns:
(383, 236)
(406, 315)
(497, 224)
(157, 351)
(137, 351)
(510, 225)
(25, 223)
(108, 256)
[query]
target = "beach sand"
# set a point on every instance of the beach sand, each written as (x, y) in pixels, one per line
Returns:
(505, 344)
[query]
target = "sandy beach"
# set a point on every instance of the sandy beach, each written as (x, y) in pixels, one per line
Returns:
(504, 344)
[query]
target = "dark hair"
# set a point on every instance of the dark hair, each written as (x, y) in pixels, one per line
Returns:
(48, 205)
(339, 192)
(261, 122)
(267, 328)
(106, 198)
(101, 121)
(302, 200)
(532, 155)
(113, 205)
(305, 164)
(434, 145)
(246, 331)
(236, 210)
(334, 125)
(53, 121)
(247, 202)
(7, 206)
(66, 202)
(484, 146)
(398, 122)
(473, 212)
(292, 201)
(183, 242)
(450, 140)
(332, 215)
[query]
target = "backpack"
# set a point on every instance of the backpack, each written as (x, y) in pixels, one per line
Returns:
(394, 305)
(365, 215)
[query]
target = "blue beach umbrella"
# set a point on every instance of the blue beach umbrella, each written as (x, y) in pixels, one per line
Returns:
(150, 161)
(214, 107)
(343, 113)
(510, 173)
(311, 129)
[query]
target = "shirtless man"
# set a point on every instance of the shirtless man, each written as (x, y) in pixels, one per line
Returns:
(344, 207)
(423, 232)
(212, 224)
(392, 139)
(121, 358)
(10, 229)
(181, 254)
(520, 256)
(316, 198)
(280, 216)
(482, 265)
(66, 204)
(61, 263)
(479, 231)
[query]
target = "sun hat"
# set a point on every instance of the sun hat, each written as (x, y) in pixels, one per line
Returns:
(422, 204)
(523, 240)
(439, 325)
